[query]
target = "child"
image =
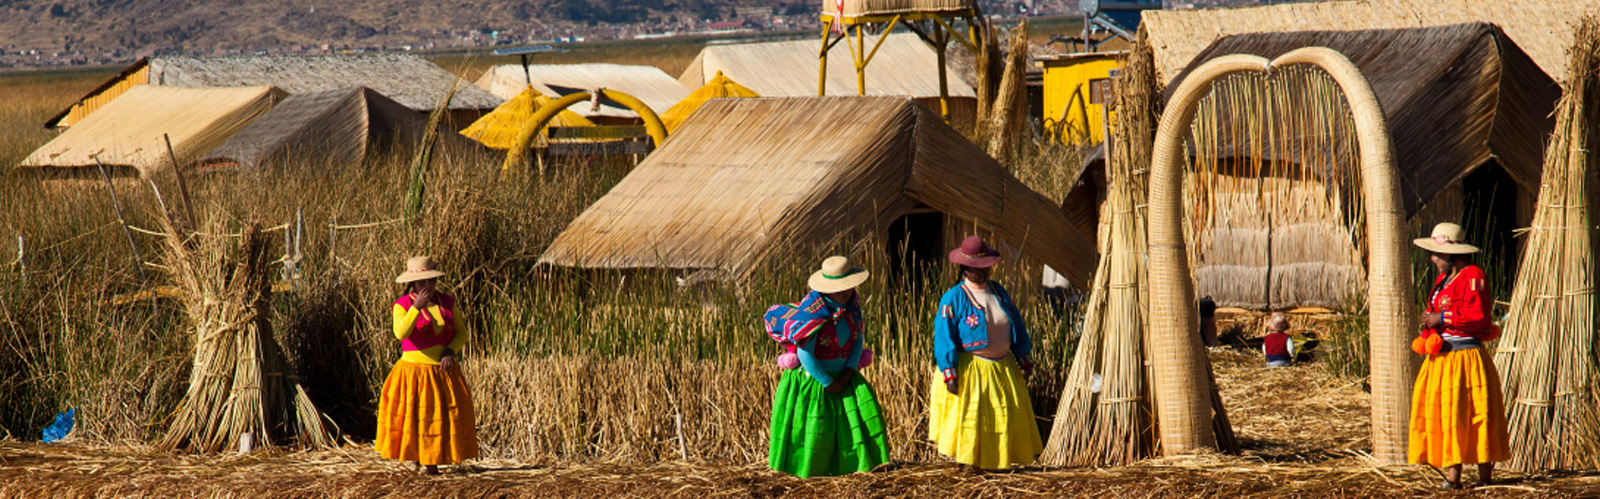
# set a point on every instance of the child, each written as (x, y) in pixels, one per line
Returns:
(1277, 346)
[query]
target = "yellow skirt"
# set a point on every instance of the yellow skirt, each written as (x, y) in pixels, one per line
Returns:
(425, 415)
(1457, 412)
(988, 422)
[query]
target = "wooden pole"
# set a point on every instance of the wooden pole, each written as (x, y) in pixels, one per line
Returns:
(138, 260)
(183, 187)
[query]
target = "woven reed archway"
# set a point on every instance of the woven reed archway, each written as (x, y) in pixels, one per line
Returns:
(1182, 391)
(519, 149)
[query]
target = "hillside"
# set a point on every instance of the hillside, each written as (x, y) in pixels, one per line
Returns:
(95, 29)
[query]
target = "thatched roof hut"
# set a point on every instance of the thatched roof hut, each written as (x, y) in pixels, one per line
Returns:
(335, 127)
(1467, 113)
(649, 84)
(1543, 28)
(903, 66)
(408, 79)
(127, 132)
(744, 179)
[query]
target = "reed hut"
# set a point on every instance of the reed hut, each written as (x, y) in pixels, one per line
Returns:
(903, 66)
(498, 129)
(1542, 28)
(126, 133)
(1546, 356)
(746, 179)
(332, 128)
(408, 79)
(649, 84)
(1467, 111)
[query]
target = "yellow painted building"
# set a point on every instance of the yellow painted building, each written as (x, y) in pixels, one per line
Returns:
(1076, 87)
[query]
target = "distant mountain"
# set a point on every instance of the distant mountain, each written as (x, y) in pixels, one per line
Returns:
(96, 28)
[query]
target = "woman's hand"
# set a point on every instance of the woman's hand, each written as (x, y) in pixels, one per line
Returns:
(422, 298)
(950, 384)
(1430, 320)
(447, 362)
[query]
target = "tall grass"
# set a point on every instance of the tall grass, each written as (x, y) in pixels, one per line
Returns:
(565, 364)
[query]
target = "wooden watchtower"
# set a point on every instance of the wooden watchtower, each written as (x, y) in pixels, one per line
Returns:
(934, 21)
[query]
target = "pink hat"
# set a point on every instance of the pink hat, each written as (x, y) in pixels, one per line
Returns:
(974, 253)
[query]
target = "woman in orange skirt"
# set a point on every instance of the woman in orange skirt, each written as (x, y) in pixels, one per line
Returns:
(1457, 412)
(425, 414)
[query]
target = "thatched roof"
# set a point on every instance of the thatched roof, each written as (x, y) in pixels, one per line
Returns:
(499, 129)
(335, 127)
(408, 79)
(743, 179)
(127, 131)
(649, 84)
(859, 8)
(1455, 97)
(903, 66)
(1543, 28)
(720, 87)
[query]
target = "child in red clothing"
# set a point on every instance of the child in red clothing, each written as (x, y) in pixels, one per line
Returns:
(1277, 347)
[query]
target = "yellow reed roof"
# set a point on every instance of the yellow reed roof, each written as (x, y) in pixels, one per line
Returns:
(720, 87)
(499, 128)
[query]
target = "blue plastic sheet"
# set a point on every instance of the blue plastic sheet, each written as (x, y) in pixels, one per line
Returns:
(61, 427)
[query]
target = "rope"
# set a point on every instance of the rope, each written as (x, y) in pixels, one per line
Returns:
(365, 225)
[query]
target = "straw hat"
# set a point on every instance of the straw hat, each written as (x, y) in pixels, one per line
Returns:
(974, 253)
(419, 268)
(1446, 239)
(837, 275)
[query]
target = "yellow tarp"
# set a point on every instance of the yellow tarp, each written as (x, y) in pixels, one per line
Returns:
(719, 87)
(498, 129)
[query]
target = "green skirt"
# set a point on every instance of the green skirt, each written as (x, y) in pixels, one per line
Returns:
(816, 433)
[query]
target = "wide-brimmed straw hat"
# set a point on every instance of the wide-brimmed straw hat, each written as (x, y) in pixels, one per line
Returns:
(1446, 239)
(419, 268)
(974, 253)
(837, 275)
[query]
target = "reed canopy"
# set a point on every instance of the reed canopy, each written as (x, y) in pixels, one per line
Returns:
(499, 128)
(747, 179)
(1275, 217)
(336, 127)
(649, 84)
(408, 79)
(903, 66)
(127, 133)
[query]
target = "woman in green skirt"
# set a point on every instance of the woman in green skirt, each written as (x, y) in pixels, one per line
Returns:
(825, 418)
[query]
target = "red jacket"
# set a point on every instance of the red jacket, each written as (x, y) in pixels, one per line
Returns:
(1465, 302)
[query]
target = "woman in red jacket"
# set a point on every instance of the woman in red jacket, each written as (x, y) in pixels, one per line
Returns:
(1457, 412)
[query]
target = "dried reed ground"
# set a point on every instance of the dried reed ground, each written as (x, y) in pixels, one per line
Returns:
(1304, 432)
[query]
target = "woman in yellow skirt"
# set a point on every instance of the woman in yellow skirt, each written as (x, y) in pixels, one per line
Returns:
(1457, 412)
(980, 413)
(425, 414)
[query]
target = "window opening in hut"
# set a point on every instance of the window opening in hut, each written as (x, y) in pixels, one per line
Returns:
(915, 244)
(1489, 217)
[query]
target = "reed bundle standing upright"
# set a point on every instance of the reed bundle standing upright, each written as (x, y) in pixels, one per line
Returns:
(241, 387)
(1546, 356)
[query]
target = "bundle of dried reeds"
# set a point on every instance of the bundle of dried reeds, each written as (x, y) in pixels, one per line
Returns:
(1547, 352)
(1008, 117)
(241, 385)
(1106, 416)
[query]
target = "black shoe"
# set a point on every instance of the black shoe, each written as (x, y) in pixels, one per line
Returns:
(1449, 485)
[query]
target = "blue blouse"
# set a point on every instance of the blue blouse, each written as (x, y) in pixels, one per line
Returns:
(820, 369)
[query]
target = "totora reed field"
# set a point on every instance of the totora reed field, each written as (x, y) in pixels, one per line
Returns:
(586, 383)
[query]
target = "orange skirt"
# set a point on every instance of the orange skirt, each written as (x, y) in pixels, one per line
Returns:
(425, 415)
(1457, 412)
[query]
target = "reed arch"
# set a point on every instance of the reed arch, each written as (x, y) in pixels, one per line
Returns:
(1182, 391)
(541, 117)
